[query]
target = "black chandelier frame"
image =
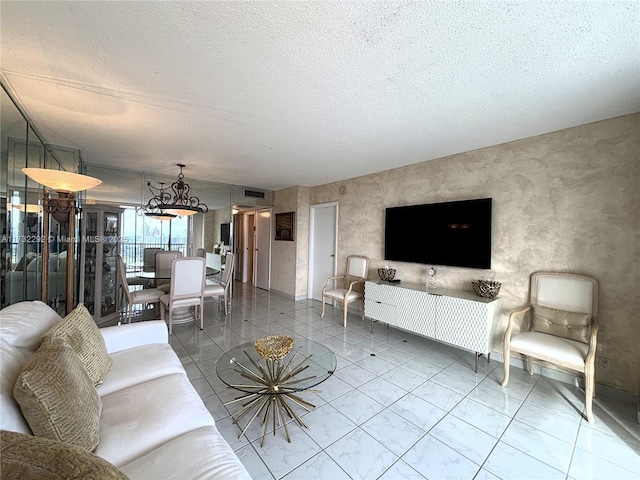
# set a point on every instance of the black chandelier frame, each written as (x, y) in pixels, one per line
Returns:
(172, 201)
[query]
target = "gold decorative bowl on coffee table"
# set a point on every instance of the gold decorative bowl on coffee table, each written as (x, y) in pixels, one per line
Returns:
(274, 347)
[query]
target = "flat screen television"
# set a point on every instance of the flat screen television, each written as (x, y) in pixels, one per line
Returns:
(450, 233)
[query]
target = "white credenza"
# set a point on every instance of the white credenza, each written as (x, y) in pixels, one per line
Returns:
(456, 317)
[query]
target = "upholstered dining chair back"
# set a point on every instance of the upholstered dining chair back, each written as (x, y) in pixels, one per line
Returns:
(222, 289)
(187, 288)
(144, 296)
(165, 257)
(187, 277)
(229, 267)
(201, 252)
(123, 278)
(149, 258)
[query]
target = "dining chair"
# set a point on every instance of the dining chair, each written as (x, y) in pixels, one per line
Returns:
(133, 281)
(222, 289)
(147, 295)
(149, 258)
(187, 288)
(163, 263)
(559, 326)
(352, 288)
(201, 252)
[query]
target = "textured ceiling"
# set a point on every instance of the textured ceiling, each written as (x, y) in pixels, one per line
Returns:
(273, 94)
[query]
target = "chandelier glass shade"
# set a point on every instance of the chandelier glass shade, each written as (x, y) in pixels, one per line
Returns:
(173, 200)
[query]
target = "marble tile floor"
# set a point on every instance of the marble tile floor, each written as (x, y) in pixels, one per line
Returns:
(400, 406)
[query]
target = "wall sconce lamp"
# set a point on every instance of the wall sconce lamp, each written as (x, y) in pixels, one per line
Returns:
(63, 209)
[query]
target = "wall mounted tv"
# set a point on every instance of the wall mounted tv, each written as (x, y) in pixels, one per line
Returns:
(450, 233)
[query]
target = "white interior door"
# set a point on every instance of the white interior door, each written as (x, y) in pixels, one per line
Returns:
(323, 247)
(262, 270)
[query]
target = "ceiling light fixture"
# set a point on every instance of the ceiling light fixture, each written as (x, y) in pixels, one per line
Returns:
(61, 181)
(176, 201)
(152, 209)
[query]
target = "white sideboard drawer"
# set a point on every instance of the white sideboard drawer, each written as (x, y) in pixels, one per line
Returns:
(380, 293)
(382, 312)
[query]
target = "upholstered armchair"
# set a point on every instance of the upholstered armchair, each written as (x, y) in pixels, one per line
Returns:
(560, 326)
(352, 288)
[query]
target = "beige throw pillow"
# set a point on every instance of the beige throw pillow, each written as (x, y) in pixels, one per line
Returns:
(57, 397)
(571, 325)
(81, 333)
(25, 456)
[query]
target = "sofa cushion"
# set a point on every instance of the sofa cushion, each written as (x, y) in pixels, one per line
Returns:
(24, 323)
(81, 333)
(561, 323)
(210, 457)
(25, 456)
(12, 359)
(140, 418)
(57, 397)
(138, 365)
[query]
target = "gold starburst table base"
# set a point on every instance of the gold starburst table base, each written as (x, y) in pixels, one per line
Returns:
(273, 395)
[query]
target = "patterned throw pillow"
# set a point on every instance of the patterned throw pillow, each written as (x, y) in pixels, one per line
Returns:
(25, 456)
(81, 333)
(57, 397)
(571, 325)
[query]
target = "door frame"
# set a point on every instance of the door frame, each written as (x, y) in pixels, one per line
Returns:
(256, 257)
(312, 214)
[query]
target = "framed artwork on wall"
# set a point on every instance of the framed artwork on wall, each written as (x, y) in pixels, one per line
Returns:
(285, 226)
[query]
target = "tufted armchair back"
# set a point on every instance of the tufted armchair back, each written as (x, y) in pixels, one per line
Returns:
(563, 304)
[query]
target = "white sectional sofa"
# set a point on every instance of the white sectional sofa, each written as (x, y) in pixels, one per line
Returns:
(153, 423)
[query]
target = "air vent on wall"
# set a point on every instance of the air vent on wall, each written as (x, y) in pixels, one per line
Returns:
(253, 193)
(252, 196)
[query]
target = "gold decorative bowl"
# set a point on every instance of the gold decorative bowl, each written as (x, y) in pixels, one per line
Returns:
(274, 347)
(486, 288)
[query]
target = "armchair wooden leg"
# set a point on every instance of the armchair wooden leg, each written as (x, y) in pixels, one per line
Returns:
(322, 314)
(507, 359)
(589, 383)
(344, 322)
(529, 361)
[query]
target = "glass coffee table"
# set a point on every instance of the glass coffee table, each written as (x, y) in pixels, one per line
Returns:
(272, 389)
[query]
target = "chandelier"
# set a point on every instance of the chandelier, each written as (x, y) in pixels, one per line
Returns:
(152, 208)
(169, 202)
